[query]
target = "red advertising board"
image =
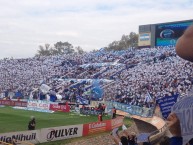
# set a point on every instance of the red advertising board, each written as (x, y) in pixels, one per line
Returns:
(13, 103)
(116, 122)
(96, 127)
(38, 104)
(57, 107)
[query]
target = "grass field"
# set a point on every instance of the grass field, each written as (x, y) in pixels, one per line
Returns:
(17, 120)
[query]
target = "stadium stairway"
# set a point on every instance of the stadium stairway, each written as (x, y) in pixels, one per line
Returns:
(155, 127)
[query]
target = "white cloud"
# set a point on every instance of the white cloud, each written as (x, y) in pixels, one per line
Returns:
(25, 24)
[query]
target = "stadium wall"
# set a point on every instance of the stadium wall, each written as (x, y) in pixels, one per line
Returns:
(62, 132)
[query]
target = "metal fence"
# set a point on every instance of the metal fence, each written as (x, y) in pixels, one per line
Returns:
(131, 109)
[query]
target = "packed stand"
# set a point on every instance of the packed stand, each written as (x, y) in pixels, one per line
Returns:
(133, 75)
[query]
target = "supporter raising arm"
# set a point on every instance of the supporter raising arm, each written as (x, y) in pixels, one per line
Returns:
(184, 46)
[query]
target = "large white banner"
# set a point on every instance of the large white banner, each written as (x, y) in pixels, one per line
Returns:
(60, 133)
(28, 136)
(38, 104)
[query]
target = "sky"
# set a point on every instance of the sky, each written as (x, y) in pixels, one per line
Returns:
(90, 24)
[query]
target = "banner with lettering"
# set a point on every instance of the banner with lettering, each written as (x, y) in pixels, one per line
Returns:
(22, 136)
(62, 108)
(38, 104)
(97, 127)
(166, 104)
(13, 103)
(62, 132)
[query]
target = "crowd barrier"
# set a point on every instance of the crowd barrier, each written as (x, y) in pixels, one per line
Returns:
(38, 105)
(131, 109)
(46, 105)
(62, 132)
(90, 111)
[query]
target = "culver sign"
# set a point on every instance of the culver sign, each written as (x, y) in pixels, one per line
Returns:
(62, 132)
(38, 104)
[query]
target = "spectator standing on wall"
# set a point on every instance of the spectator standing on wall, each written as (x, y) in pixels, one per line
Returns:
(103, 108)
(114, 112)
(100, 117)
(32, 123)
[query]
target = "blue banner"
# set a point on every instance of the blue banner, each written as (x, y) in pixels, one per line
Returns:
(166, 104)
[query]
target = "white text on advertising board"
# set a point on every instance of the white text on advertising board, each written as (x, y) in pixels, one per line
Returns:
(96, 125)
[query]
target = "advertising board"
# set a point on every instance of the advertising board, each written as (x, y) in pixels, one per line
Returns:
(38, 104)
(167, 34)
(60, 133)
(13, 103)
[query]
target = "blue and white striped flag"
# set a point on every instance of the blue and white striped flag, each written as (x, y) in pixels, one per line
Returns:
(148, 98)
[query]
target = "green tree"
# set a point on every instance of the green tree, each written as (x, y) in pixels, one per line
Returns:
(44, 50)
(60, 48)
(64, 48)
(79, 50)
(133, 39)
(126, 42)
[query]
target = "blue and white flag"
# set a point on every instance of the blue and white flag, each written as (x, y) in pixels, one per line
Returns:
(82, 101)
(148, 98)
(97, 90)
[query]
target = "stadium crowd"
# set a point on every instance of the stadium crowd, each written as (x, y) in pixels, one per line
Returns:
(133, 75)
